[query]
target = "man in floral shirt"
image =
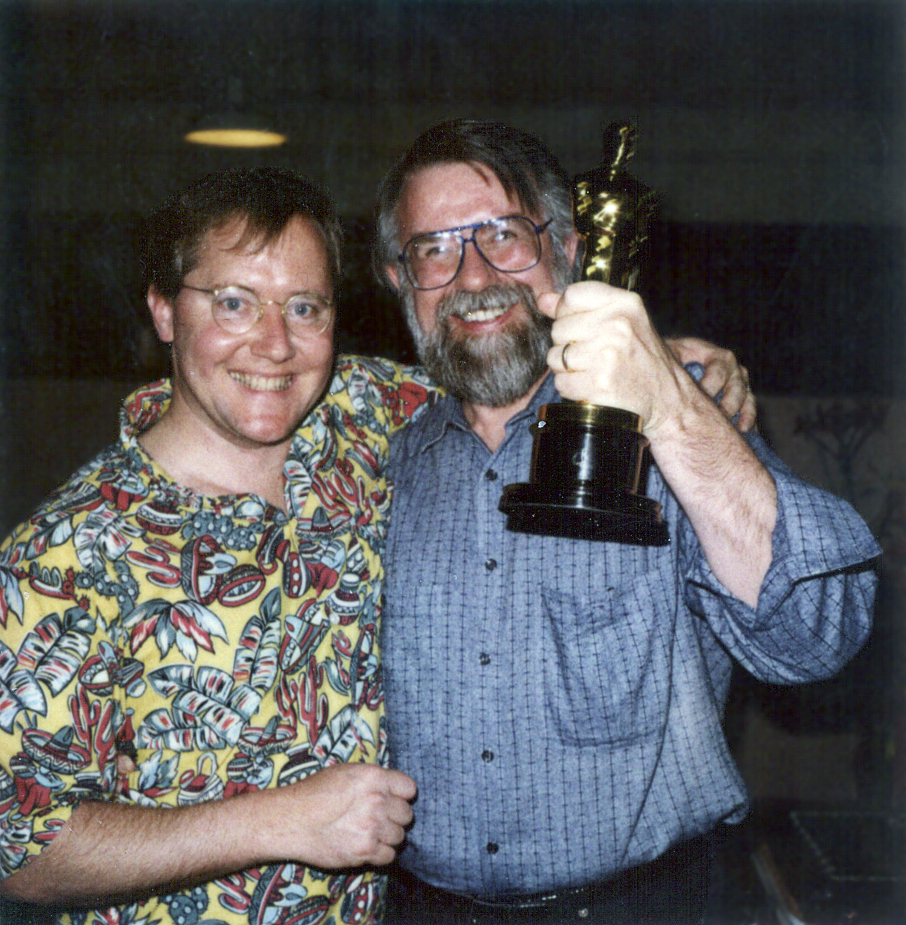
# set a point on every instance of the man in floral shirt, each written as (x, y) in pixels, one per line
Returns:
(203, 597)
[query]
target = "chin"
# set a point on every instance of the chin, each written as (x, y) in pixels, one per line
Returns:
(257, 433)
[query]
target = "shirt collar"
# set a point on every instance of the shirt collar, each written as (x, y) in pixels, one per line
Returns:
(147, 405)
(545, 395)
(448, 413)
(144, 407)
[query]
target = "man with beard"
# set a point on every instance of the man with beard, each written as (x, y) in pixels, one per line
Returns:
(559, 701)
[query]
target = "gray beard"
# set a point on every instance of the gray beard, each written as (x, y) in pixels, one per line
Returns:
(492, 370)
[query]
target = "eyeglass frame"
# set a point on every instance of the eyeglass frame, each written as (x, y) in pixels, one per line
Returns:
(261, 303)
(538, 229)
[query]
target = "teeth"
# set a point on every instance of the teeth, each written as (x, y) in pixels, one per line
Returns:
(263, 383)
(485, 314)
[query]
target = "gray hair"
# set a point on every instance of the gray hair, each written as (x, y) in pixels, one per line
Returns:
(522, 164)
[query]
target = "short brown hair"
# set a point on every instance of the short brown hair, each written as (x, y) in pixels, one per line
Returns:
(265, 198)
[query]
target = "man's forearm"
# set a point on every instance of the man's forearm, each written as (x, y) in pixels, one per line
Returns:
(343, 816)
(725, 491)
(109, 852)
(618, 360)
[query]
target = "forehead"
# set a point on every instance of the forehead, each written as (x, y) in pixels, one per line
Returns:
(299, 248)
(449, 195)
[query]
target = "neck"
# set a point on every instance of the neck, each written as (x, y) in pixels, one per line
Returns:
(490, 423)
(215, 466)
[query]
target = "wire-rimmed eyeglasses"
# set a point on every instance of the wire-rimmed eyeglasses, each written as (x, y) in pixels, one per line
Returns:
(510, 244)
(237, 310)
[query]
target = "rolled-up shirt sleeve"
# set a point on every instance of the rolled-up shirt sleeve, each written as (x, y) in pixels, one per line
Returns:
(815, 606)
(56, 748)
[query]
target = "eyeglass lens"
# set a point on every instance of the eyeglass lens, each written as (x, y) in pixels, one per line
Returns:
(237, 310)
(509, 244)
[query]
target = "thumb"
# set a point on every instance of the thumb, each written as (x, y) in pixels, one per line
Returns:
(401, 785)
(548, 302)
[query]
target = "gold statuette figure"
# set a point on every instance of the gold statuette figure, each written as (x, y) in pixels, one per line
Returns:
(611, 210)
(587, 460)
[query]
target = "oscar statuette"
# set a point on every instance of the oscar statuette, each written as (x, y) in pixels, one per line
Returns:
(587, 461)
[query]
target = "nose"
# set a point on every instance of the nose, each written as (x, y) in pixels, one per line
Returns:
(271, 336)
(475, 272)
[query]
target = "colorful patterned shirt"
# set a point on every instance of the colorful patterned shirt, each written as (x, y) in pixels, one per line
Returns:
(227, 645)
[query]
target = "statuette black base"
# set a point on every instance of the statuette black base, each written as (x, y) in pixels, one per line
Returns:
(621, 517)
(585, 473)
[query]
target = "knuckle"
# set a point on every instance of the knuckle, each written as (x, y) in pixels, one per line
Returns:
(635, 302)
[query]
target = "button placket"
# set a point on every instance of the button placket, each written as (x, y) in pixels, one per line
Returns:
(486, 489)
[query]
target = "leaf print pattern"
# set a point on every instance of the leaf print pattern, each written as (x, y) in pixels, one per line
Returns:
(226, 646)
(102, 533)
(54, 531)
(55, 649)
(208, 699)
(257, 658)
(19, 690)
(10, 598)
(186, 623)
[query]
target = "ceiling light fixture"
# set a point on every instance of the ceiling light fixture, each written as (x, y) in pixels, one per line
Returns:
(234, 128)
(233, 132)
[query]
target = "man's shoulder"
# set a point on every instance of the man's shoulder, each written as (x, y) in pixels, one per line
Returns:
(423, 430)
(85, 490)
(377, 390)
(379, 371)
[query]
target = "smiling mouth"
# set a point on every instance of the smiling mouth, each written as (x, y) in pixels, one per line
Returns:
(263, 383)
(479, 315)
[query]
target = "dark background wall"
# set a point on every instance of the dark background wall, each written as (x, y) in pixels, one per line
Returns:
(773, 131)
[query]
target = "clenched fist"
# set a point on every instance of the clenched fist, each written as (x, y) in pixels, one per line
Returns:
(344, 816)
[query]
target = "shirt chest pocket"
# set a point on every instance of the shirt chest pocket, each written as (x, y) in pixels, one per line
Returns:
(607, 665)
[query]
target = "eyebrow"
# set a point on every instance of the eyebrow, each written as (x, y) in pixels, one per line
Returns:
(486, 221)
(306, 292)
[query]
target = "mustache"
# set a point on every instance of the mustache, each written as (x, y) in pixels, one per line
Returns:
(491, 298)
(492, 369)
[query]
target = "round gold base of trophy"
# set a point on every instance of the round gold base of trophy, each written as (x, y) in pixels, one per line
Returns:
(619, 517)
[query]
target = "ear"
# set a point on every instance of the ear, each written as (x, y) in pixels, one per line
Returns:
(161, 314)
(392, 273)
(571, 245)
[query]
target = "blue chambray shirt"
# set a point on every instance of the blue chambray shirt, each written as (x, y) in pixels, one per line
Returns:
(559, 701)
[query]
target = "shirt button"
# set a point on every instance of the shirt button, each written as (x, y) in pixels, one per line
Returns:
(492, 847)
(491, 475)
(484, 659)
(487, 755)
(490, 564)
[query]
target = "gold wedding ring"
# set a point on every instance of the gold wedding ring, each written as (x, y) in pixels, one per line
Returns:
(563, 356)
